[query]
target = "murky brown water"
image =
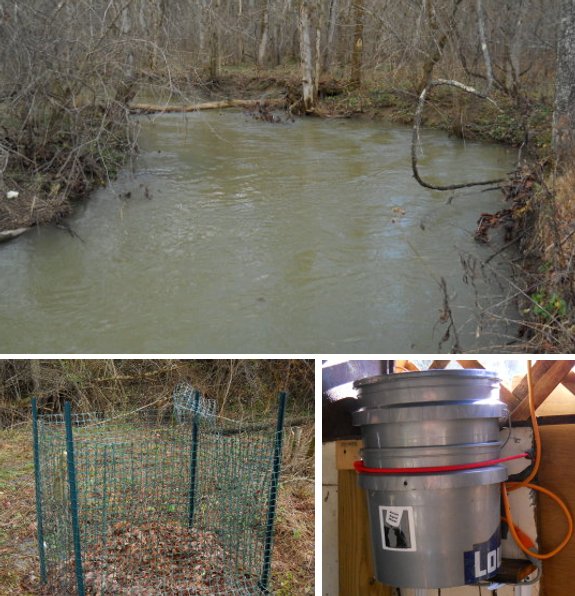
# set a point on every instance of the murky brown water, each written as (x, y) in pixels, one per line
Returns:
(245, 237)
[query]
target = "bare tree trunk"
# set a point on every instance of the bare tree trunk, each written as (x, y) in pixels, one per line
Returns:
(357, 51)
(329, 46)
(306, 51)
(240, 33)
(320, 23)
(158, 17)
(209, 35)
(126, 29)
(264, 34)
(202, 30)
(35, 376)
(213, 32)
(439, 42)
(484, 46)
(516, 48)
(277, 55)
(564, 116)
(150, 108)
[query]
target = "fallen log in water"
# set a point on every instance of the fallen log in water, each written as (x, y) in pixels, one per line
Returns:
(146, 108)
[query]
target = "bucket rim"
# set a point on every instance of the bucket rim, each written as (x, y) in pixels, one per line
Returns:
(418, 412)
(465, 373)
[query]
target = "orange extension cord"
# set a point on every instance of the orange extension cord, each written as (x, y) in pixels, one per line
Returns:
(523, 541)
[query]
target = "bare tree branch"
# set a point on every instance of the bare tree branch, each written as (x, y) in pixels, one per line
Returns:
(417, 126)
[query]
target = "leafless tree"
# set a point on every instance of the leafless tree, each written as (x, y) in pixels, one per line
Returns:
(357, 52)
(564, 116)
(308, 13)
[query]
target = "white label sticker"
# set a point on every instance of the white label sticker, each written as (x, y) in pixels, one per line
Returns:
(397, 528)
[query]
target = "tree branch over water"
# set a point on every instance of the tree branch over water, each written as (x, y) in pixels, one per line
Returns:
(417, 126)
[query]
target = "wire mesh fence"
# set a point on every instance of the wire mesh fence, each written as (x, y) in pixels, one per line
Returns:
(150, 504)
(189, 403)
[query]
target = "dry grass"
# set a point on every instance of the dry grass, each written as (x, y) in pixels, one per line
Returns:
(293, 562)
(18, 550)
(244, 388)
(544, 211)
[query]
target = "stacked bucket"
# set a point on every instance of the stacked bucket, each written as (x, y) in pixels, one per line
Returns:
(431, 474)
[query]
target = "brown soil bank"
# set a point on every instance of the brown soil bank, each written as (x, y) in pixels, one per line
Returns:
(55, 155)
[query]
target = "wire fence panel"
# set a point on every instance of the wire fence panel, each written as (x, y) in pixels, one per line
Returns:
(147, 504)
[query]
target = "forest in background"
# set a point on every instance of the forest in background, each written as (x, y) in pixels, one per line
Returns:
(243, 389)
(72, 73)
(71, 70)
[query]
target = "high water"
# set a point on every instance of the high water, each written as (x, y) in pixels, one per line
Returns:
(232, 235)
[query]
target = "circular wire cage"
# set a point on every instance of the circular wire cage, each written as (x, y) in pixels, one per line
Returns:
(148, 504)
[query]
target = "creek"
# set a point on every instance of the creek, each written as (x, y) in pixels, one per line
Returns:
(231, 235)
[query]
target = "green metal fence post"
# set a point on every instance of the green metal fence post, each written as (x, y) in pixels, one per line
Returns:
(193, 460)
(73, 499)
(272, 501)
(38, 479)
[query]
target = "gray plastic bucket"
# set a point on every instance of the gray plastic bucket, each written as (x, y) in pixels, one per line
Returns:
(433, 530)
(424, 457)
(430, 424)
(437, 530)
(429, 386)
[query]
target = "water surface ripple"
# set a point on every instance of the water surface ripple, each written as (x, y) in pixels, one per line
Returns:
(245, 237)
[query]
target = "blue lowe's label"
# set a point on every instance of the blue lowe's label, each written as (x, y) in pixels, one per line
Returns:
(483, 561)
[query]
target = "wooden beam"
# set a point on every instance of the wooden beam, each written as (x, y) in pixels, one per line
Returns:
(405, 365)
(561, 402)
(346, 452)
(470, 364)
(438, 364)
(356, 575)
(521, 390)
(557, 473)
(546, 374)
(569, 381)
(506, 396)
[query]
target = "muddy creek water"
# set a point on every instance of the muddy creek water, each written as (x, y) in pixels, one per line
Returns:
(231, 235)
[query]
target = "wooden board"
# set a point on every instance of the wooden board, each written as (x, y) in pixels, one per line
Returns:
(470, 364)
(439, 364)
(356, 577)
(546, 374)
(347, 452)
(520, 391)
(329, 559)
(569, 381)
(557, 473)
(561, 402)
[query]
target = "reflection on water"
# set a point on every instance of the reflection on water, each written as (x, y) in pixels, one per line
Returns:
(245, 237)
